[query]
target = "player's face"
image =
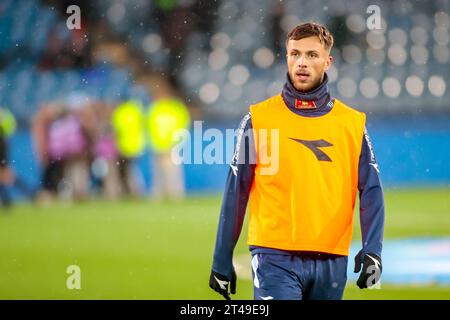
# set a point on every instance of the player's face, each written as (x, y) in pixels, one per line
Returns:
(307, 61)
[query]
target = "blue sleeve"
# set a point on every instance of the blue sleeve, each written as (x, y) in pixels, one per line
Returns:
(234, 204)
(371, 200)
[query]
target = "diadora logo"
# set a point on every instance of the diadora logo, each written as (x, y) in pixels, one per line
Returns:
(314, 146)
(223, 284)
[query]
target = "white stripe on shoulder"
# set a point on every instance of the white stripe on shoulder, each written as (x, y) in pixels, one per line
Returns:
(238, 142)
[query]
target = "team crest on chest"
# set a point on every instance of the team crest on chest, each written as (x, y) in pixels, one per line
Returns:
(304, 104)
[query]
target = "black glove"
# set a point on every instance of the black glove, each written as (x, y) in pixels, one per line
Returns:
(371, 270)
(219, 283)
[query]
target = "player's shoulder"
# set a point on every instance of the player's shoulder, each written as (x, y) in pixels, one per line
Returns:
(346, 109)
(246, 121)
(276, 99)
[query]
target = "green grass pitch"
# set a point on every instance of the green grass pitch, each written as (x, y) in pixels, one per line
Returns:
(141, 249)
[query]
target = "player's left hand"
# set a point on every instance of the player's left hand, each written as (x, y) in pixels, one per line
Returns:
(371, 269)
(220, 283)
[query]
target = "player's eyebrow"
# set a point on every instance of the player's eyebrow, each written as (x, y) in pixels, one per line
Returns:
(298, 51)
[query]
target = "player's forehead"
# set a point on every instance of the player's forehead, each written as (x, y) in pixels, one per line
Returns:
(305, 44)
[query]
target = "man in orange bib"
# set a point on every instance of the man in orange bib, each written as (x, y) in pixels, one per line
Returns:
(300, 159)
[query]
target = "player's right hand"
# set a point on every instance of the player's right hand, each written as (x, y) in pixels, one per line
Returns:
(220, 284)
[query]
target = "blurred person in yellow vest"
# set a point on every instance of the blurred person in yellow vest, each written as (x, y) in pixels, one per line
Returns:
(128, 123)
(166, 115)
(7, 176)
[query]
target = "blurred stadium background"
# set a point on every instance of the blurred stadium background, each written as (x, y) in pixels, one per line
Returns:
(218, 57)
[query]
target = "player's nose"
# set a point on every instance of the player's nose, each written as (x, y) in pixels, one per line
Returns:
(301, 61)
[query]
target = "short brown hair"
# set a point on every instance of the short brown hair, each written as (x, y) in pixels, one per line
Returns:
(312, 29)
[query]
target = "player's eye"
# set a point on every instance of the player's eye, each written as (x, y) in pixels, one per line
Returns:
(313, 55)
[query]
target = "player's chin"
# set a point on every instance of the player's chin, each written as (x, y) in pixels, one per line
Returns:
(303, 86)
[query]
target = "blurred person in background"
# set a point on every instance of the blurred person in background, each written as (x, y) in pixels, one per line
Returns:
(7, 176)
(63, 134)
(104, 167)
(276, 31)
(128, 125)
(68, 48)
(52, 168)
(166, 115)
(177, 21)
(77, 130)
(65, 49)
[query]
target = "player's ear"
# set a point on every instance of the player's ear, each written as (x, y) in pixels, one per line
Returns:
(328, 62)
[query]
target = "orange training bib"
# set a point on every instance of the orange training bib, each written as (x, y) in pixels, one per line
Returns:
(306, 177)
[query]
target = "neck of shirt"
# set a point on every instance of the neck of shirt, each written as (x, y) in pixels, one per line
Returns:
(320, 96)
